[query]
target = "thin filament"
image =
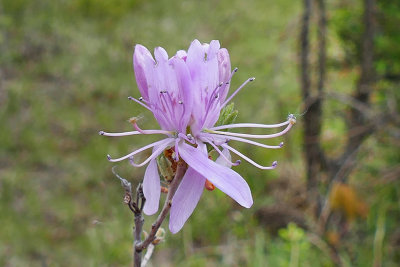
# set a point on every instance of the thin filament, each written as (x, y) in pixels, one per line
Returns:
(237, 91)
(152, 156)
(257, 136)
(273, 166)
(222, 154)
(161, 142)
(119, 134)
(248, 141)
(139, 102)
(249, 125)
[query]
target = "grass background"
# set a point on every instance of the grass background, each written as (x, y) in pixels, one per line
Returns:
(66, 72)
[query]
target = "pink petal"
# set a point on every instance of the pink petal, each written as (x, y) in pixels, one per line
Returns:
(228, 181)
(185, 199)
(142, 60)
(151, 188)
(185, 94)
(224, 67)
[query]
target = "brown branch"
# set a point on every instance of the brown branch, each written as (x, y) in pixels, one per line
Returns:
(139, 220)
(141, 245)
(315, 157)
(359, 120)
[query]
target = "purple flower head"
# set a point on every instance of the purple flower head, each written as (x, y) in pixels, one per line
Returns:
(186, 95)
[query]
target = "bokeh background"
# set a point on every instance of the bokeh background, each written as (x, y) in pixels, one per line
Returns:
(66, 73)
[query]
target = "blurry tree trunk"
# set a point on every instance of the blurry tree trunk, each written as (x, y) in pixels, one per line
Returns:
(313, 98)
(359, 127)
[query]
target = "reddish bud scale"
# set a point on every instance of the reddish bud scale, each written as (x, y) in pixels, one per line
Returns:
(209, 186)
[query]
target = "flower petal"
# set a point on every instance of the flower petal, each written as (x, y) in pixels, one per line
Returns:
(184, 83)
(142, 60)
(151, 188)
(227, 180)
(224, 67)
(221, 161)
(185, 199)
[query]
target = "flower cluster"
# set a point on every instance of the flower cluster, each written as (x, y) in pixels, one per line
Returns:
(186, 94)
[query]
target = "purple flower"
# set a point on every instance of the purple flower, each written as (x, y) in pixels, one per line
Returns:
(186, 94)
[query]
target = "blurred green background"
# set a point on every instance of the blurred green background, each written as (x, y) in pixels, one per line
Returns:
(66, 73)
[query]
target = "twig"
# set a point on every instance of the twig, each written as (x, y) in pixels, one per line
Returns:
(148, 254)
(140, 245)
(180, 172)
(139, 220)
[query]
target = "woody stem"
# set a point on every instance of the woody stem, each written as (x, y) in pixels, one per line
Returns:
(139, 245)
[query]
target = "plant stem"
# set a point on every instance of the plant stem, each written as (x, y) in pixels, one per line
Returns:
(139, 245)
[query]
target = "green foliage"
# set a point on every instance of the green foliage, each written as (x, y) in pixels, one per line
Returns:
(228, 115)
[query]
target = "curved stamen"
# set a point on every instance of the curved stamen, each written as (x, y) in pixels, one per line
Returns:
(139, 102)
(164, 142)
(248, 141)
(134, 123)
(119, 134)
(152, 156)
(229, 80)
(250, 125)
(237, 91)
(222, 154)
(257, 136)
(273, 166)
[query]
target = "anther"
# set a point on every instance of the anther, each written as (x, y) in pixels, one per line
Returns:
(101, 133)
(281, 144)
(130, 98)
(108, 157)
(235, 69)
(237, 162)
(292, 119)
(227, 82)
(140, 98)
(133, 120)
(274, 164)
(252, 79)
(189, 136)
(221, 84)
(180, 102)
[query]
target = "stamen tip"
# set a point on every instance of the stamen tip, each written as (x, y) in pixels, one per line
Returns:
(130, 98)
(109, 157)
(235, 69)
(237, 162)
(281, 144)
(252, 79)
(274, 164)
(101, 132)
(292, 119)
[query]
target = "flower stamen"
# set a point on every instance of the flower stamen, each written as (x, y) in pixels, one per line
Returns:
(140, 102)
(237, 91)
(162, 143)
(273, 166)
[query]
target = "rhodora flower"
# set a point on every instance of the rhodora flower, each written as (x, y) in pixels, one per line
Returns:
(186, 94)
